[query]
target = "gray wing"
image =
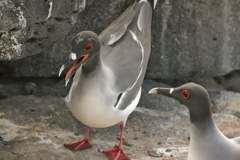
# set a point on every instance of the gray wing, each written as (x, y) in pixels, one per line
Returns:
(126, 47)
(237, 140)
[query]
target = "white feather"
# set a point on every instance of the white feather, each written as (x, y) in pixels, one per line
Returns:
(171, 90)
(50, 10)
(140, 21)
(155, 3)
(142, 1)
(135, 101)
(73, 56)
(135, 38)
(66, 82)
(61, 70)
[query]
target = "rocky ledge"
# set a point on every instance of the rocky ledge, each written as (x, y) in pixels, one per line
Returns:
(34, 128)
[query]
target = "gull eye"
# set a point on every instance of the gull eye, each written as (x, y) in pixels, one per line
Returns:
(88, 46)
(185, 94)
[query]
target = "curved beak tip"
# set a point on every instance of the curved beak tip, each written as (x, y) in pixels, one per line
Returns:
(163, 91)
(153, 91)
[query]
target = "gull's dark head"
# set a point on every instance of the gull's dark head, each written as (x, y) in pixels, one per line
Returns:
(85, 43)
(84, 47)
(193, 96)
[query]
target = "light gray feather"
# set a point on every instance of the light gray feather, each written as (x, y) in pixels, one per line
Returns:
(237, 140)
(128, 53)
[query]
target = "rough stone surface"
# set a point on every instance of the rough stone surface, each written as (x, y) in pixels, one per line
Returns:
(191, 39)
(195, 39)
(12, 30)
(44, 45)
(34, 128)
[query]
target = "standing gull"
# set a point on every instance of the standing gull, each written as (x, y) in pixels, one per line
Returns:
(108, 71)
(207, 141)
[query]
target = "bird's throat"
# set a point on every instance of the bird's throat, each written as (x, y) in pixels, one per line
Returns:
(92, 64)
(203, 126)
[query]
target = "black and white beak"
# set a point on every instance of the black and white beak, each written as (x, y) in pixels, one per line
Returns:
(164, 91)
(71, 67)
(72, 57)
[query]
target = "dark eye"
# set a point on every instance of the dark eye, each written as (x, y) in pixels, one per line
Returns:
(88, 46)
(185, 94)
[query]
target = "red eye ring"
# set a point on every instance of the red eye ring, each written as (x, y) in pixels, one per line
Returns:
(88, 46)
(185, 94)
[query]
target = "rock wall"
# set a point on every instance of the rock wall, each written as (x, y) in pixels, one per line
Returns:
(191, 39)
(195, 39)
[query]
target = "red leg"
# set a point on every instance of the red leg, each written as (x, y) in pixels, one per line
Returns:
(117, 152)
(82, 144)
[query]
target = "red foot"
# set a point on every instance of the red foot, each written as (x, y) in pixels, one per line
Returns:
(78, 146)
(116, 154)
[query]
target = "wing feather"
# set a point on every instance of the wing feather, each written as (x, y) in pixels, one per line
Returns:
(126, 47)
(237, 140)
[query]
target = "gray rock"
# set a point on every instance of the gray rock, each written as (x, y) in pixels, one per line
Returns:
(32, 86)
(226, 101)
(194, 39)
(12, 30)
(36, 127)
(43, 124)
(191, 40)
(230, 81)
(44, 45)
(168, 152)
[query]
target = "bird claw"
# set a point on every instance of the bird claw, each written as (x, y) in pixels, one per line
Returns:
(78, 146)
(115, 154)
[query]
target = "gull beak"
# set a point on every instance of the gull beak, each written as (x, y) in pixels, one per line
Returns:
(73, 66)
(164, 91)
(76, 64)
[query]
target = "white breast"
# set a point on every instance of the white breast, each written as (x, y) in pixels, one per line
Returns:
(91, 101)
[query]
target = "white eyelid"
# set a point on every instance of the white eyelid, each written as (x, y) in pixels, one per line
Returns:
(171, 90)
(80, 40)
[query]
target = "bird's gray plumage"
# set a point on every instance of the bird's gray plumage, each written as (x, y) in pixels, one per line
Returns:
(237, 140)
(207, 141)
(124, 50)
